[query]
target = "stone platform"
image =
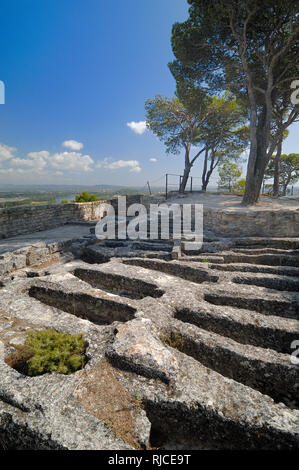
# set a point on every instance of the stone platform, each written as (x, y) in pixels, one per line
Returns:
(185, 353)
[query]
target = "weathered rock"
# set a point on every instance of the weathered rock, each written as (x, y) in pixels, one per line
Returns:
(181, 354)
(137, 349)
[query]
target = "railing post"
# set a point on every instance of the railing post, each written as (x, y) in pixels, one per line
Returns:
(191, 185)
(166, 186)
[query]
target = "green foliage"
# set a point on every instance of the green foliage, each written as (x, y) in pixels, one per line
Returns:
(85, 197)
(249, 48)
(207, 46)
(175, 124)
(239, 186)
(64, 201)
(229, 173)
(193, 118)
(49, 351)
(289, 170)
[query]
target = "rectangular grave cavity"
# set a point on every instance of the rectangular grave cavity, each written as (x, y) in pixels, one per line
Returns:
(188, 273)
(246, 327)
(118, 284)
(264, 370)
(100, 311)
(198, 427)
(288, 308)
(284, 283)
(262, 259)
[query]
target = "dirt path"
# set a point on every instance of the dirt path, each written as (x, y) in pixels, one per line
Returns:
(232, 202)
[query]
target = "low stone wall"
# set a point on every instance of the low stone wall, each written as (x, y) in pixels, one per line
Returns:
(23, 220)
(245, 223)
(29, 219)
(34, 255)
(250, 223)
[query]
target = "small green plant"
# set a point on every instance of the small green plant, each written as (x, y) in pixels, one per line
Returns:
(64, 201)
(204, 260)
(49, 351)
(85, 197)
(175, 340)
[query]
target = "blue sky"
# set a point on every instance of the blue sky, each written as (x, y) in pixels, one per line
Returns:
(76, 73)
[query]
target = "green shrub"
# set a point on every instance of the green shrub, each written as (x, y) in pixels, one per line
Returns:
(239, 186)
(64, 201)
(85, 197)
(49, 351)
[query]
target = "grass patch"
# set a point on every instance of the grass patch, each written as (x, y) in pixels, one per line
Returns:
(49, 351)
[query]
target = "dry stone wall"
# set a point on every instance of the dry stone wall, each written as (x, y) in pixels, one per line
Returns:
(23, 220)
(250, 223)
(259, 223)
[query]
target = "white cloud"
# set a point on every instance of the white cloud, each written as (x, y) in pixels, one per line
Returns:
(43, 162)
(153, 160)
(136, 169)
(6, 153)
(121, 164)
(132, 164)
(71, 161)
(72, 144)
(37, 155)
(37, 160)
(137, 127)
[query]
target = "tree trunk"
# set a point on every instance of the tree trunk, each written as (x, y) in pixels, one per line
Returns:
(204, 171)
(258, 160)
(185, 179)
(277, 170)
(255, 178)
(207, 173)
(286, 184)
(188, 166)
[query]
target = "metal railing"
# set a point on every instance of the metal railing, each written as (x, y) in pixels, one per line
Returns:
(192, 184)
